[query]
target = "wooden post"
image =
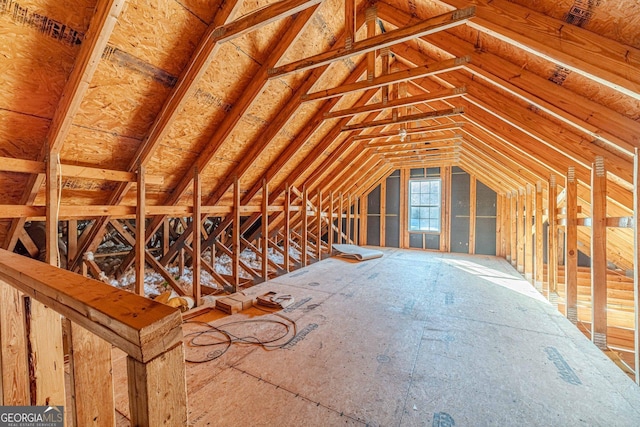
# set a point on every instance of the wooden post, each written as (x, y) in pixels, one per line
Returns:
(330, 218)
(528, 236)
(383, 212)
(636, 262)
(157, 389)
(265, 230)
(196, 255)
(14, 370)
(91, 379)
(506, 212)
(370, 19)
(539, 276)
(513, 215)
(304, 235)
(287, 227)
(72, 239)
(319, 225)
(404, 212)
(44, 328)
(571, 246)
(349, 23)
(340, 215)
(140, 232)
(356, 220)
(552, 243)
(348, 224)
(236, 235)
(165, 236)
(445, 233)
(499, 229)
(472, 214)
(599, 253)
(521, 231)
(363, 221)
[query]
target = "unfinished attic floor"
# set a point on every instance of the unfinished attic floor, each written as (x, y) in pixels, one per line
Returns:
(410, 339)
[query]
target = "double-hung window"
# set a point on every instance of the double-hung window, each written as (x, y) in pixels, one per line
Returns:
(424, 205)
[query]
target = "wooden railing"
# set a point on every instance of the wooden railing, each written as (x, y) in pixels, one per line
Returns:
(36, 299)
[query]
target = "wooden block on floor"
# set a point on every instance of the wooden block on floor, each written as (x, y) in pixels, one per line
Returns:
(228, 305)
(246, 300)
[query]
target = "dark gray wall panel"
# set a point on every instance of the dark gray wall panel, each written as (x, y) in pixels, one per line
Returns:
(486, 202)
(459, 211)
(373, 230)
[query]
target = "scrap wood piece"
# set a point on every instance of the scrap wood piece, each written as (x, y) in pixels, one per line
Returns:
(356, 252)
(275, 300)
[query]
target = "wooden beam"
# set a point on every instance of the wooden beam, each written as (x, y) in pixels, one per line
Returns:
(197, 236)
(287, 227)
(158, 390)
(319, 225)
(571, 246)
(348, 219)
(265, 229)
(410, 131)
(472, 214)
(330, 221)
(521, 229)
(552, 242)
(304, 235)
(14, 367)
(52, 203)
(401, 35)
(513, 215)
(528, 236)
(439, 95)
(236, 235)
(260, 18)
(636, 264)
(349, 24)
(406, 119)
(596, 57)
(140, 232)
(599, 254)
(596, 120)
(340, 217)
(371, 15)
(90, 378)
(432, 142)
(384, 80)
(185, 86)
(539, 252)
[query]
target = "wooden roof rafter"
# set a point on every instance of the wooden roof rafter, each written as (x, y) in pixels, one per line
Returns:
(586, 115)
(389, 38)
(387, 79)
(192, 74)
(400, 102)
(100, 28)
(185, 85)
(228, 124)
(406, 119)
(598, 58)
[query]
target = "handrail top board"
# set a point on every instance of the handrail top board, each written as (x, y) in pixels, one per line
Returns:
(139, 326)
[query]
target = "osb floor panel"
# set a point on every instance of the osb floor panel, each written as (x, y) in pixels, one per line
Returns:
(410, 339)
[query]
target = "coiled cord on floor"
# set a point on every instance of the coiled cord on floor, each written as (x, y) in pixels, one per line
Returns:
(219, 339)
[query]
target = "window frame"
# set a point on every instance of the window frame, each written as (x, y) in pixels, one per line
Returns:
(410, 205)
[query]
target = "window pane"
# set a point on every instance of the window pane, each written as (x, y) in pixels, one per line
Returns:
(424, 206)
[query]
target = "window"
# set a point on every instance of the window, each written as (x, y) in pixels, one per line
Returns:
(424, 205)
